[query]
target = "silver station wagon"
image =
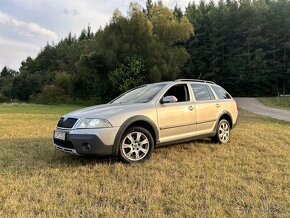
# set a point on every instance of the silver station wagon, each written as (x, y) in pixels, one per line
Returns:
(149, 116)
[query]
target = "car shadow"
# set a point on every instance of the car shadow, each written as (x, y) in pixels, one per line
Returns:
(39, 153)
(85, 160)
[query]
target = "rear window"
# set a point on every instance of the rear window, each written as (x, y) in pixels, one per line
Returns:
(220, 92)
(202, 92)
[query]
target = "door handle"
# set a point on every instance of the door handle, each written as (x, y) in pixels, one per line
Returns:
(190, 107)
(217, 105)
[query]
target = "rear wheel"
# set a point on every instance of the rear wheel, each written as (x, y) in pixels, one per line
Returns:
(136, 145)
(223, 132)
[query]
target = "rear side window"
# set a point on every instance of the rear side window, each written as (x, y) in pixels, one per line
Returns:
(202, 92)
(221, 93)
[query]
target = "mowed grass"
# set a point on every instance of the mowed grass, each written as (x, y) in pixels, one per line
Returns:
(250, 176)
(282, 102)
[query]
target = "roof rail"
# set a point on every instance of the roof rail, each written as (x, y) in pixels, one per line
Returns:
(196, 80)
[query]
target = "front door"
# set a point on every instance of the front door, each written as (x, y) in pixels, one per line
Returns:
(176, 120)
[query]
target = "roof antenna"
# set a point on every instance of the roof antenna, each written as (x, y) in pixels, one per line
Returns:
(200, 75)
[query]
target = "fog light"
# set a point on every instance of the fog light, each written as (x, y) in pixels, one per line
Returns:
(86, 147)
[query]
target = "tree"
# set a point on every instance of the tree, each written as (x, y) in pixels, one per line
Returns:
(148, 10)
(24, 86)
(236, 43)
(130, 74)
(6, 72)
(155, 40)
(27, 65)
(86, 34)
(178, 12)
(167, 27)
(241, 44)
(63, 81)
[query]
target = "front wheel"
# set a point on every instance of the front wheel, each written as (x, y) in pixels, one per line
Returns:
(136, 145)
(223, 132)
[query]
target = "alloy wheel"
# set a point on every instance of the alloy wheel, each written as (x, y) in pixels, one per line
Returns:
(135, 146)
(224, 132)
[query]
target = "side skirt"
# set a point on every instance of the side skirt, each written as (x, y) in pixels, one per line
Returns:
(186, 139)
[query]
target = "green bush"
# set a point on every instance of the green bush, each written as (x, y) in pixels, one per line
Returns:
(52, 94)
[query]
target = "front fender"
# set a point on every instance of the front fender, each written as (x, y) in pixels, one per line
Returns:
(126, 124)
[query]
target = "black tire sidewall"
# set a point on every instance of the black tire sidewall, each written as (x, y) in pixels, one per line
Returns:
(150, 139)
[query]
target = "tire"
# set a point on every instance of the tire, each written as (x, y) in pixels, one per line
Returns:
(136, 145)
(223, 132)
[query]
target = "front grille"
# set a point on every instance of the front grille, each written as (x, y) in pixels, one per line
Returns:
(68, 123)
(64, 144)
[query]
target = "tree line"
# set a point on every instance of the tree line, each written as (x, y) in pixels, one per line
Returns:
(242, 45)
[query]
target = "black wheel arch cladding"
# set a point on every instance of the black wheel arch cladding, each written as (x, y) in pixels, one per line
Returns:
(127, 123)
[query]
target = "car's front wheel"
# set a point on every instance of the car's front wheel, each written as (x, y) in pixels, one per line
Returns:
(136, 145)
(223, 132)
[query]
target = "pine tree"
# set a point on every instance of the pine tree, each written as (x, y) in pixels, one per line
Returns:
(4, 72)
(148, 10)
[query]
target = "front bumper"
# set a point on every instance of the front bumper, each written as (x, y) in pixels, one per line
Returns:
(66, 150)
(87, 142)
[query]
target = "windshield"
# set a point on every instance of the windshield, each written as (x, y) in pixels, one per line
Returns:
(141, 94)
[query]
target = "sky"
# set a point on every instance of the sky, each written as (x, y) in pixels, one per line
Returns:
(27, 25)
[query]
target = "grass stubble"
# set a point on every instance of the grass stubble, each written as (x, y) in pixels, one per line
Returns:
(249, 176)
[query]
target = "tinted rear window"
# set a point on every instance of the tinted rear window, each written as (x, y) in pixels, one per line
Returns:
(220, 92)
(202, 92)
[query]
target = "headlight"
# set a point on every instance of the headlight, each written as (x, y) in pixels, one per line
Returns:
(94, 124)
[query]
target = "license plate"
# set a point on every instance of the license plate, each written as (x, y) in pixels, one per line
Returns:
(59, 135)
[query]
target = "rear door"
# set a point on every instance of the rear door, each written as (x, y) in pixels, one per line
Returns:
(207, 108)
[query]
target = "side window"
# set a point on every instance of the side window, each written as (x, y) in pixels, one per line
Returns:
(202, 92)
(220, 92)
(179, 91)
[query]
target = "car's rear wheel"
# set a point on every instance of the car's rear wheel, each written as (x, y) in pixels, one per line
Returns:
(136, 145)
(223, 132)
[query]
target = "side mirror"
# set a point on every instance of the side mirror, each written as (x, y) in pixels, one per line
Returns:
(169, 99)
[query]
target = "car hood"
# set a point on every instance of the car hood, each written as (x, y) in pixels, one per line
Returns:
(105, 111)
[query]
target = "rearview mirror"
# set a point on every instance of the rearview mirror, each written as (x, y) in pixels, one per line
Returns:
(169, 99)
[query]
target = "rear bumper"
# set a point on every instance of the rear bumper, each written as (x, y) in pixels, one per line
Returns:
(235, 124)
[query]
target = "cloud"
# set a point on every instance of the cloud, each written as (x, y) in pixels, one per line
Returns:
(13, 52)
(66, 11)
(27, 28)
(70, 12)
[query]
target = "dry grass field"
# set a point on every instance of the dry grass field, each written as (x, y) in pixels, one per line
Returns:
(248, 177)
